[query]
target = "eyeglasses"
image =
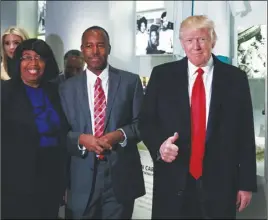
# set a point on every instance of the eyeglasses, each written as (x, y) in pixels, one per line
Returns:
(29, 58)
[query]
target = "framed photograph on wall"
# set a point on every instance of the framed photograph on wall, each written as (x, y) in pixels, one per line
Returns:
(252, 50)
(41, 15)
(154, 33)
(252, 58)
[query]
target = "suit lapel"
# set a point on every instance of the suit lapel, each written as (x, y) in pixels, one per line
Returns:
(179, 98)
(114, 81)
(184, 103)
(216, 99)
(54, 98)
(83, 100)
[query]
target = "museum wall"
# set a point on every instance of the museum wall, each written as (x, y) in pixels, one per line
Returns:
(8, 14)
(66, 21)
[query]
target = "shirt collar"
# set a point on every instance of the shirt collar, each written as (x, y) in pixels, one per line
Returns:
(92, 77)
(192, 68)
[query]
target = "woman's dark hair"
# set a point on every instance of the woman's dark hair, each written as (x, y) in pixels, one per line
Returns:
(41, 48)
(140, 21)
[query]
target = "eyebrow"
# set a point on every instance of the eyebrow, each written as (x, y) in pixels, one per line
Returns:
(29, 54)
(11, 41)
(99, 42)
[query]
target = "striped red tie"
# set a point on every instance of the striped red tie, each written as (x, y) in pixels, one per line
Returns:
(99, 110)
(198, 125)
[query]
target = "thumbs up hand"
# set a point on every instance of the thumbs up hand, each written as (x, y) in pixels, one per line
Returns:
(168, 149)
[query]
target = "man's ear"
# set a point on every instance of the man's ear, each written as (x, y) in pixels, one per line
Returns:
(213, 44)
(109, 50)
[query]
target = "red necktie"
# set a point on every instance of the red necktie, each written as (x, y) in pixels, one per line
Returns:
(198, 125)
(99, 110)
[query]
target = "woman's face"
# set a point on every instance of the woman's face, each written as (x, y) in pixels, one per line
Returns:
(11, 41)
(153, 38)
(143, 27)
(32, 67)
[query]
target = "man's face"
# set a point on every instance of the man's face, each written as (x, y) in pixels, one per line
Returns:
(73, 66)
(95, 48)
(165, 22)
(198, 45)
(153, 37)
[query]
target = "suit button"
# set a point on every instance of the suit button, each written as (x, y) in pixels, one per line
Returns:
(180, 192)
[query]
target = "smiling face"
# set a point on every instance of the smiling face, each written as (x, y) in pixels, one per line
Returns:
(198, 45)
(95, 48)
(153, 38)
(143, 27)
(10, 42)
(32, 68)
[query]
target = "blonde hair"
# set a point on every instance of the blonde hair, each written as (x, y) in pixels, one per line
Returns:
(198, 22)
(11, 30)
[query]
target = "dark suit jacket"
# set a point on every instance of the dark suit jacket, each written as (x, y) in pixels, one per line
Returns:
(20, 149)
(229, 163)
(124, 99)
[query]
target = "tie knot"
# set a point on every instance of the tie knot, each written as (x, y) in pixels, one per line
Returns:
(200, 71)
(98, 81)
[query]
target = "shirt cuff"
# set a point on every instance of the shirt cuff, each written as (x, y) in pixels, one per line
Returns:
(158, 155)
(123, 143)
(81, 148)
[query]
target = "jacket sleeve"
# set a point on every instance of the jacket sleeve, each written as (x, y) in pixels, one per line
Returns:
(131, 130)
(72, 137)
(150, 129)
(247, 148)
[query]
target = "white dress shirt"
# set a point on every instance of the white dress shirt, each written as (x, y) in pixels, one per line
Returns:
(91, 80)
(207, 79)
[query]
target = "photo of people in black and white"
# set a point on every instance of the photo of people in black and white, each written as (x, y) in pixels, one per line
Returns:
(41, 16)
(154, 33)
(251, 50)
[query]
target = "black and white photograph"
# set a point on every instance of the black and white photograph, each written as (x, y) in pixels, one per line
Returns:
(251, 50)
(251, 58)
(41, 17)
(154, 33)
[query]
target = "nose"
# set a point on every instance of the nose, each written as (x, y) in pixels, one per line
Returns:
(196, 44)
(12, 46)
(95, 50)
(34, 61)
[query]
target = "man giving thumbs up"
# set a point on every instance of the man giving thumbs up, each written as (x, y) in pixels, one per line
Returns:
(168, 149)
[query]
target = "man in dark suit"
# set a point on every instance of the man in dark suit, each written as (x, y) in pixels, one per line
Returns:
(73, 64)
(197, 123)
(105, 171)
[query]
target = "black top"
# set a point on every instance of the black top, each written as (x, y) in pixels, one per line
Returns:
(28, 168)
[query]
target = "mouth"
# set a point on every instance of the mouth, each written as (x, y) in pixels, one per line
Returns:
(11, 53)
(197, 54)
(33, 71)
(95, 59)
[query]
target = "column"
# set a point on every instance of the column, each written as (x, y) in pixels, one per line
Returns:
(27, 16)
